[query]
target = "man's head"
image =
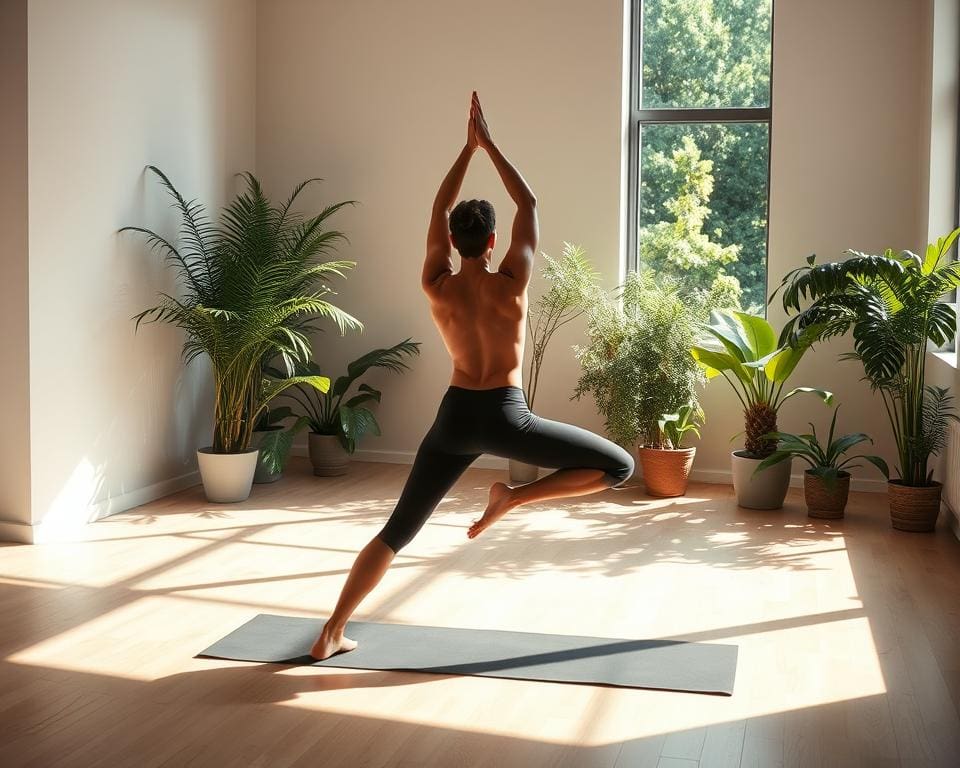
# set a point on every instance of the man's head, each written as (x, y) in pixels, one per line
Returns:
(472, 227)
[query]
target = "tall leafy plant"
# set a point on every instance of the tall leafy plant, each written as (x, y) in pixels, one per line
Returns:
(572, 290)
(252, 289)
(331, 412)
(892, 304)
(637, 363)
(745, 352)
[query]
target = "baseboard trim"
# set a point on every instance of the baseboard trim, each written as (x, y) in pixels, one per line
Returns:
(717, 476)
(41, 532)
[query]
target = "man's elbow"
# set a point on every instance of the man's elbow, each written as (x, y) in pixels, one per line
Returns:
(531, 200)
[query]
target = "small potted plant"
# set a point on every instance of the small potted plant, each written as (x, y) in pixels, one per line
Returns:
(337, 425)
(274, 439)
(746, 354)
(893, 305)
(666, 467)
(573, 287)
(826, 484)
(638, 367)
(251, 289)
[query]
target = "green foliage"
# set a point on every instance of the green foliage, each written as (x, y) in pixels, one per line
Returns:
(892, 305)
(711, 53)
(573, 288)
(333, 413)
(743, 348)
(637, 364)
(680, 247)
(673, 426)
(828, 463)
(252, 289)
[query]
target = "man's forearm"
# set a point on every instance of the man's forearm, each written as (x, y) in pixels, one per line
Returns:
(517, 187)
(450, 186)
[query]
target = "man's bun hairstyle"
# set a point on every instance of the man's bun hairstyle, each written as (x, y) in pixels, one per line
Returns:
(471, 224)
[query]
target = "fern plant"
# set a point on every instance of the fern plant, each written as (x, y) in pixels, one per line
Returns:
(327, 411)
(252, 289)
(637, 364)
(892, 304)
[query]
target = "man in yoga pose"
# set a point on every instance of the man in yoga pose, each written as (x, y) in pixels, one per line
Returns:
(481, 315)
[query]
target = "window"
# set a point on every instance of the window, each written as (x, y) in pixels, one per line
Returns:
(700, 143)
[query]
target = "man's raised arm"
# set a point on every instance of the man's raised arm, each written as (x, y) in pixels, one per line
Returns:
(518, 263)
(439, 260)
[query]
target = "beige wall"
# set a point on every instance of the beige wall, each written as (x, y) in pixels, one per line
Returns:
(14, 344)
(115, 85)
(389, 84)
(373, 97)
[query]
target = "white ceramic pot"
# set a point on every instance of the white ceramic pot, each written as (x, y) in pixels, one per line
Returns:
(764, 490)
(327, 455)
(523, 473)
(227, 477)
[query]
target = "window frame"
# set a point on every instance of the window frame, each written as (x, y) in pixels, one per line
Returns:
(664, 116)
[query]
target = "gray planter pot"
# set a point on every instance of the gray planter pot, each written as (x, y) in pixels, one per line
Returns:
(523, 473)
(263, 474)
(764, 490)
(328, 457)
(227, 477)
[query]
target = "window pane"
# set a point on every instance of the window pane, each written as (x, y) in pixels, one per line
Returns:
(703, 205)
(706, 53)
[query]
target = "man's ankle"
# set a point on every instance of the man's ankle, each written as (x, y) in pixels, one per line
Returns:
(334, 630)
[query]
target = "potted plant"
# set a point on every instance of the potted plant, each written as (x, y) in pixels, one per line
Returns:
(826, 484)
(336, 426)
(745, 352)
(573, 287)
(251, 288)
(638, 367)
(274, 440)
(892, 304)
(666, 468)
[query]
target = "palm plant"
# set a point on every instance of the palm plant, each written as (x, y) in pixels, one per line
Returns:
(573, 288)
(327, 412)
(745, 352)
(892, 304)
(252, 289)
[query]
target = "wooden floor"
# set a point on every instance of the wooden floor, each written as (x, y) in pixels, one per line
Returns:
(849, 633)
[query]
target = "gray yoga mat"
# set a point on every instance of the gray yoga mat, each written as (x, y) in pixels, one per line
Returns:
(661, 664)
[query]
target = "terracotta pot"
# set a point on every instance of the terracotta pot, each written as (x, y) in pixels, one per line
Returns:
(523, 473)
(328, 457)
(914, 508)
(666, 471)
(227, 477)
(823, 501)
(763, 490)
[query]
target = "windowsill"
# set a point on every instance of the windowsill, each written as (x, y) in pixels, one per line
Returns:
(950, 358)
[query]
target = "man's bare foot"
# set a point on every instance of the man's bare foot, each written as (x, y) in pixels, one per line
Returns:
(329, 644)
(498, 505)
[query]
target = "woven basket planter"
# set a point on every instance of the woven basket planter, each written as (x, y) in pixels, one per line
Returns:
(666, 471)
(826, 502)
(914, 508)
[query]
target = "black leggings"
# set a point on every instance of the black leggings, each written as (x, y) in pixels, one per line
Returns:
(471, 422)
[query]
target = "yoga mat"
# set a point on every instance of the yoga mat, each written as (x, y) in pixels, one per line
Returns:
(660, 664)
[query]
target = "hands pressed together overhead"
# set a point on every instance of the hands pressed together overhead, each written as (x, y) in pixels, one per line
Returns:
(478, 134)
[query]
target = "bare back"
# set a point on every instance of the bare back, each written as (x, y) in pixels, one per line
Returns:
(482, 319)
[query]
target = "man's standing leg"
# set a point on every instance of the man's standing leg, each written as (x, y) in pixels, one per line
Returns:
(432, 475)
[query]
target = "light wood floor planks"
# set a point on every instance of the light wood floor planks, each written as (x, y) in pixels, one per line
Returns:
(849, 633)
